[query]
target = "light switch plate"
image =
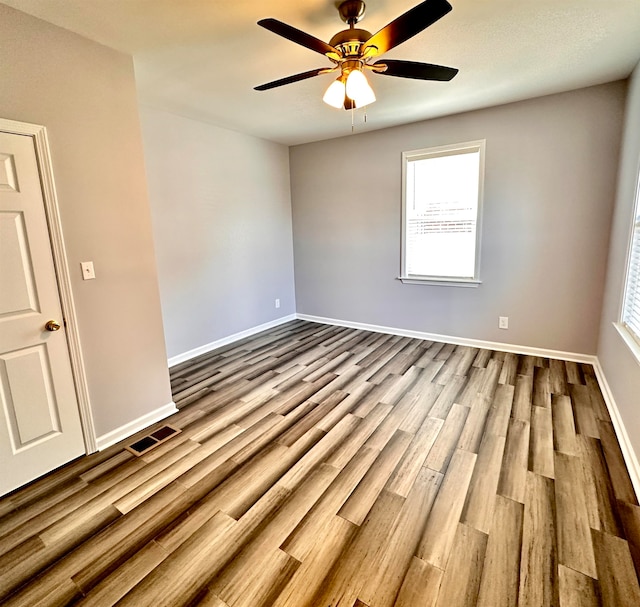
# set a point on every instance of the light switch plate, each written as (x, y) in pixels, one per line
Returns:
(88, 273)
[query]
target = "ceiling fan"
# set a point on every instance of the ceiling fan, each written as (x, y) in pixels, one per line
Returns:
(354, 50)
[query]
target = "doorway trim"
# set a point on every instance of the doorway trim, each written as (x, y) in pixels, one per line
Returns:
(63, 277)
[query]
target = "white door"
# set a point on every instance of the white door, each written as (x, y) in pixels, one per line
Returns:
(40, 425)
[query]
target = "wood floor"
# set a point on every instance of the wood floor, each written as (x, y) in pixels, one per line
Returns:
(324, 466)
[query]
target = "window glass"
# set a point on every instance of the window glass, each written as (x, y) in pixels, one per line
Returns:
(441, 212)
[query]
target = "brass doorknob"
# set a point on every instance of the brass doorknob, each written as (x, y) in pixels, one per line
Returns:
(52, 325)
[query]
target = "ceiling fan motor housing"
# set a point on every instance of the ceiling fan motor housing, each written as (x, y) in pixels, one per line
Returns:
(351, 11)
(350, 41)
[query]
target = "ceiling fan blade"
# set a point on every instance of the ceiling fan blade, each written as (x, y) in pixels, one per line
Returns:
(416, 70)
(294, 78)
(298, 36)
(406, 26)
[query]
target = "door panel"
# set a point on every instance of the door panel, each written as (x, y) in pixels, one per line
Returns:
(16, 267)
(39, 420)
(25, 381)
(8, 177)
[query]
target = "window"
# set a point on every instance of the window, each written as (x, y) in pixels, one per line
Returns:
(441, 211)
(631, 302)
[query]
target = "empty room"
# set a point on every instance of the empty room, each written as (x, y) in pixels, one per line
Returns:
(320, 303)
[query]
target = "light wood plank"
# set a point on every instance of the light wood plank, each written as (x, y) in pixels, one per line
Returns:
(501, 570)
(447, 397)
(475, 380)
(542, 388)
(500, 412)
(389, 425)
(620, 480)
(616, 574)
(479, 506)
(575, 549)
(577, 589)
(404, 476)
(461, 580)
(557, 377)
(630, 516)
(541, 442)
(600, 498)
(443, 448)
(509, 370)
(564, 430)
(345, 582)
(440, 530)
(597, 401)
(538, 571)
(273, 566)
(355, 509)
(574, 375)
(421, 585)
(523, 398)
(586, 422)
(261, 588)
(471, 435)
(314, 524)
(371, 398)
(319, 451)
(110, 590)
(482, 358)
(359, 436)
(421, 408)
(384, 576)
(492, 374)
(195, 559)
(307, 581)
(527, 365)
(513, 474)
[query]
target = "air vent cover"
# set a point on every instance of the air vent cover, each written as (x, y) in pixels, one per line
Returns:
(146, 443)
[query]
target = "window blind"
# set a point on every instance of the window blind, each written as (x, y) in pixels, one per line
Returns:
(631, 307)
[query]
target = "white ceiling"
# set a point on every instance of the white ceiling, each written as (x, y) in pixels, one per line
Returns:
(202, 58)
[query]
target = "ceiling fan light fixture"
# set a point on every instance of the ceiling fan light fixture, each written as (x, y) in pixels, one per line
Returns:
(334, 96)
(359, 89)
(353, 50)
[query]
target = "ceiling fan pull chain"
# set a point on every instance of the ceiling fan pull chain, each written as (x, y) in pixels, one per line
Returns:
(353, 127)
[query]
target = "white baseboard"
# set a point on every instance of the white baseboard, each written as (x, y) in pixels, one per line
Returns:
(180, 358)
(115, 436)
(459, 341)
(630, 457)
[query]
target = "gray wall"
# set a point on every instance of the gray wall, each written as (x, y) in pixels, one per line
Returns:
(85, 95)
(221, 210)
(549, 190)
(621, 368)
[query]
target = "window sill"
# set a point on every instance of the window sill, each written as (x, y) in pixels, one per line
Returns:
(440, 282)
(628, 339)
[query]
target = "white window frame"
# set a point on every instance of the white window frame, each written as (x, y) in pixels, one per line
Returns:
(435, 152)
(629, 335)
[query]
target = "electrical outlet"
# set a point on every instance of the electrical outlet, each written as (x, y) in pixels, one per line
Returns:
(88, 273)
(503, 322)
(277, 303)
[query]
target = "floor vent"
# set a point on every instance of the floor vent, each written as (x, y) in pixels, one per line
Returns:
(146, 443)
